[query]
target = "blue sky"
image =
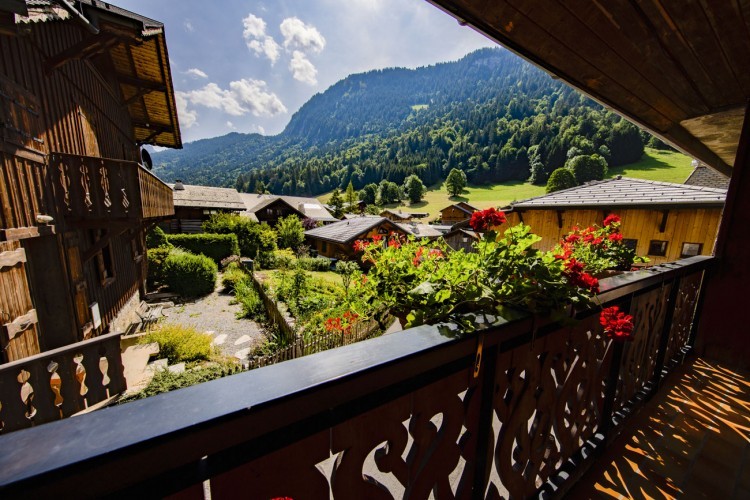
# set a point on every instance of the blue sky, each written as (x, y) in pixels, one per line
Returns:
(247, 66)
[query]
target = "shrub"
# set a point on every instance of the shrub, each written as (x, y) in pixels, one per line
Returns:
(587, 168)
(216, 246)
(189, 275)
(314, 263)
(233, 275)
(180, 343)
(155, 258)
(165, 381)
(248, 298)
(562, 178)
(232, 259)
(253, 238)
(290, 231)
(156, 238)
(283, 259)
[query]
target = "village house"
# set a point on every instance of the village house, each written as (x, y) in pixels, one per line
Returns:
(193, 205)
(79, 95)
(457, 212)
(399, 216)
(661, 220)
(269, 208)
(462, 237)
(703, 175)
(337, 240)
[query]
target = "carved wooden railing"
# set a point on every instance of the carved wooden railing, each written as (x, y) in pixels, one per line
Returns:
(91, 188)
(24, 193)
(519, 408)
(60, 383)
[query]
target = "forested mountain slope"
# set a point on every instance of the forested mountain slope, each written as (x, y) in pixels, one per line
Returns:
(490, 114)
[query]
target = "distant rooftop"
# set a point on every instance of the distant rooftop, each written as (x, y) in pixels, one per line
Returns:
(421, 230)
(405, 215)
(626, 192)
(346, 231)
(463, 206)
(207, 197)
(707, 177)
(309, 207)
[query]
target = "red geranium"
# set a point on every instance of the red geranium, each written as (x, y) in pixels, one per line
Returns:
(483, 220)
(617, 325)
(360, 245)
(611, 219)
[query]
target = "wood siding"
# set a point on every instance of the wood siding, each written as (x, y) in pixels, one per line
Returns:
(451, 215)
(18, 334)
(682, 226)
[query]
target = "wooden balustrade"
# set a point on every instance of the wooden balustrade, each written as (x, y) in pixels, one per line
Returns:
(23, 193)
(60, 383)
(519, 408)
(91, 188)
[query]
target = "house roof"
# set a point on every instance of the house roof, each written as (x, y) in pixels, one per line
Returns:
(308, 207)
(405, 215)
(463, 206)
(420, 230)
(677, 68)
(626, 192)
(707, 177)
(135, 48)
(468, 232)
(207, 197)
(346, 231)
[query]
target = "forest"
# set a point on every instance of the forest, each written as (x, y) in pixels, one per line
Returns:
(490, 114)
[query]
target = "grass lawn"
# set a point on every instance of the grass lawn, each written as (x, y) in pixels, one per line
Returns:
(327, 276)
(655, 165)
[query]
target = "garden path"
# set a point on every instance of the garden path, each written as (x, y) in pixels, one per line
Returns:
(213, 314)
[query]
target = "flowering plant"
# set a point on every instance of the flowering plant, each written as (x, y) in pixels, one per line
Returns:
(617, 325)
(598, 248)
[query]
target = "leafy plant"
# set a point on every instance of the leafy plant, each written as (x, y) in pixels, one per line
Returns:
(156, 258)
(156, 238)
(414, 188)
(247, 296)
(314, 263)
(216, 246)
(233, 275)
(165, 380)
(587, 168)
(560, 179)
(254, 239)
(180, 343)
(189, 275)
(290, 232)
(456, 182)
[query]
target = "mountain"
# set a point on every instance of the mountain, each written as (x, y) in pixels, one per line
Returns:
(490, 114)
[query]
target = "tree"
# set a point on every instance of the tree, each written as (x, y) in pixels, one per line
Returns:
(625, 143)
(290, 232)
(389, 192)
(369, 193)
(350, 197)
(562, 178)
(587, 168)
(414, 188)
(337, 203)
(260, 187)
(456, 182)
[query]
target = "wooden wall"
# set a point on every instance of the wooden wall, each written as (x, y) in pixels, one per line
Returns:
(683, 226)
(451, 215)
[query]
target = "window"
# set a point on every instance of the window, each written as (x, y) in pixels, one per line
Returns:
(323, 247)
(103, 259)
(691, 249)
(630, 243)
(657, 248)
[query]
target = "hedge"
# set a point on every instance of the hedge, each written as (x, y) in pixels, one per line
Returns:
(189, 275)
(215, 246)
(156, 258)
(314, 264)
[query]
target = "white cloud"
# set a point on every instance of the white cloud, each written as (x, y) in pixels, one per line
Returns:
(243, 96)
(196, 73)
(298, 35)
(302, 69)
(261, 130)
(188, 26)
(257, 40)
(231, 125)
(187, 117)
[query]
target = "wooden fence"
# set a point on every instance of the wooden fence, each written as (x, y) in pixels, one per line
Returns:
(284, 322)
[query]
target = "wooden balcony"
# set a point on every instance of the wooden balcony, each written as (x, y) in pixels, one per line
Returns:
(102, 190)
(521, 408)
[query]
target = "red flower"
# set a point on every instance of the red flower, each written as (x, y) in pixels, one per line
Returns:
(483, 220)
(571, 238)
(617, 325)
(615, 237)
(596, 241)
(418, 257)
(393, 242)
(611, 219)
(360, 245)
(576, 276)
(436, 254)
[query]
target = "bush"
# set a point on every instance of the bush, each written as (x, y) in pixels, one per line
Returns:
(233, 275)
(180, 343)
(155, 258)
(562, 178)
(156, 238)
(253, 238)
(283, 259)
(190, 275)
(314, 263)
(290, 231)
(232, 259)
(165, 381)
(587, 168)
(248, 298)
(216, 246)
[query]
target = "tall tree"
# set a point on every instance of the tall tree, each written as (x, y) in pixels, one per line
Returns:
(350, 197)
(290, 231)
(337, 203)
(587, 168)
(456, 182)
(414, 188)
(369, 193)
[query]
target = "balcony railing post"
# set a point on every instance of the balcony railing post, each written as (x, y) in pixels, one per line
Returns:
(485, 438)
(698, 307)
(610, 389)
(664, 338)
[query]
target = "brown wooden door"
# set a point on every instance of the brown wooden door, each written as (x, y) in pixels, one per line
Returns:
(19, 336)
(79, 287)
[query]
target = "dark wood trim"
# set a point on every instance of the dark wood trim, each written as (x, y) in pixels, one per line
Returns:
(559, 218)
(141, 83)
(20, 233)
(90, 46)
(663, 223)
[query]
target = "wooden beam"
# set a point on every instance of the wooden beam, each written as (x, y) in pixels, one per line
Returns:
(20, 233)
(85, 48)
(21, 324)
(664, 217)
(103, 242)
(12, 257)
(140, 83)
(140, 93)
(559, 218)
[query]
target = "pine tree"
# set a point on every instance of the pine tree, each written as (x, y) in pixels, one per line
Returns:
(350, 197)
(337, 203)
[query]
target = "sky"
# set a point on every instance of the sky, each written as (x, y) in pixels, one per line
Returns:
(248, 66)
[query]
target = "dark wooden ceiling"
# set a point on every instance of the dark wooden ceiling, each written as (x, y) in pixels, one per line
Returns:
(678, 67)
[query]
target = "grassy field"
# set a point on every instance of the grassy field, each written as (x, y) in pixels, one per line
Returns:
(666, 166)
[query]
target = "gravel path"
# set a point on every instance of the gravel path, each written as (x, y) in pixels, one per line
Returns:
(213, 314)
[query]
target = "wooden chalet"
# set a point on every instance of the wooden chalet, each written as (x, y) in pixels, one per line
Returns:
(269, 208)
(194, 205)
(457, 212)
(337, 240)
(661, 220)
(462, 238)
(81, 89)
(529, 405)
(399, 216)
(705, 176)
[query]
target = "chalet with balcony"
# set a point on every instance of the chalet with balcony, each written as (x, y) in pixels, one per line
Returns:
(193, 205)
(337, 240)
(457, 212)
(399, 216)
(81, 90)
(662, 220)
(524, 406)
(269, 208)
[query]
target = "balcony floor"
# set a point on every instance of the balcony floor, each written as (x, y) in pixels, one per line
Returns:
(692, 440)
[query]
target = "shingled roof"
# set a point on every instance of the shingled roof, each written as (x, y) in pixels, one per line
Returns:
(626, 192)
(309, 207)
(207, 197)
(707, 177)
(346, 231)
